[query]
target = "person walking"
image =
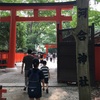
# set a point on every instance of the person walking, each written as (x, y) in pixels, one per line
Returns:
(54, 57)
(26, 65)
(35, 77)
(41, 58)
(46, 73)
(50, 57)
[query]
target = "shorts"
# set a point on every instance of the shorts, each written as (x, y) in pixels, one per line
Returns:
(46, 80)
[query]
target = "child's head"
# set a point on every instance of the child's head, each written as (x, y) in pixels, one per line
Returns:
(44, 62)
(36, 63)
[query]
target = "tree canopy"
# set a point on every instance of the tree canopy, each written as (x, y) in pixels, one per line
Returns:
(33, 34)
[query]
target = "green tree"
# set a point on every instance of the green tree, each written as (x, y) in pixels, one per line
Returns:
(4, 35)
(94, 17)
(41, 33)
(11, 1)
(21, 36)
(30, 34)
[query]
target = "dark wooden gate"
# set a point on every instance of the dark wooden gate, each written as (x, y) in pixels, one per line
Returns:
(66, 51)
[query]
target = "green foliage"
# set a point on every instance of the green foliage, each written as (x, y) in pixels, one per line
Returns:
(26, 1)
(41, 33)
(73, 23)
(98, 0)
(94, 17)
(21, 35)
(31, 34)
(10, 1)
(4, 13)
(4, 35)
(39, 1)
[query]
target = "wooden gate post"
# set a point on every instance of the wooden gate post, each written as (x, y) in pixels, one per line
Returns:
(81, 36)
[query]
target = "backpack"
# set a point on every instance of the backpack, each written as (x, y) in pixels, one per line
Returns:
(34, 84)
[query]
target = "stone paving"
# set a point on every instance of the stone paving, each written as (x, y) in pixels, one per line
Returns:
(15, 78)
(55, 93)
(14, 82)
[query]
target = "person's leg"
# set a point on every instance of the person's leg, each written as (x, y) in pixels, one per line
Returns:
(25, 84)
(43, 86)
(46, 85)
(26, 72)
(25, 81)
(54, 60)
(46, 81)
(47, 90)
(37, 98)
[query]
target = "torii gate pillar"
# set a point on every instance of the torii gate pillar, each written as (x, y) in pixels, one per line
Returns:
(12, 40)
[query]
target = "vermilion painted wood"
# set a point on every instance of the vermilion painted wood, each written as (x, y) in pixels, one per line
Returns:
(12, 40)
(2, 91)
(47, 46)
(97, 63)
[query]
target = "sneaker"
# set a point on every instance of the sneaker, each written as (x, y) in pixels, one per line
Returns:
(24, 89)
(47, 91)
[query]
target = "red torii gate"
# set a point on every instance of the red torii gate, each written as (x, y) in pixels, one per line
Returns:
(47, 46)
(36, 7)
